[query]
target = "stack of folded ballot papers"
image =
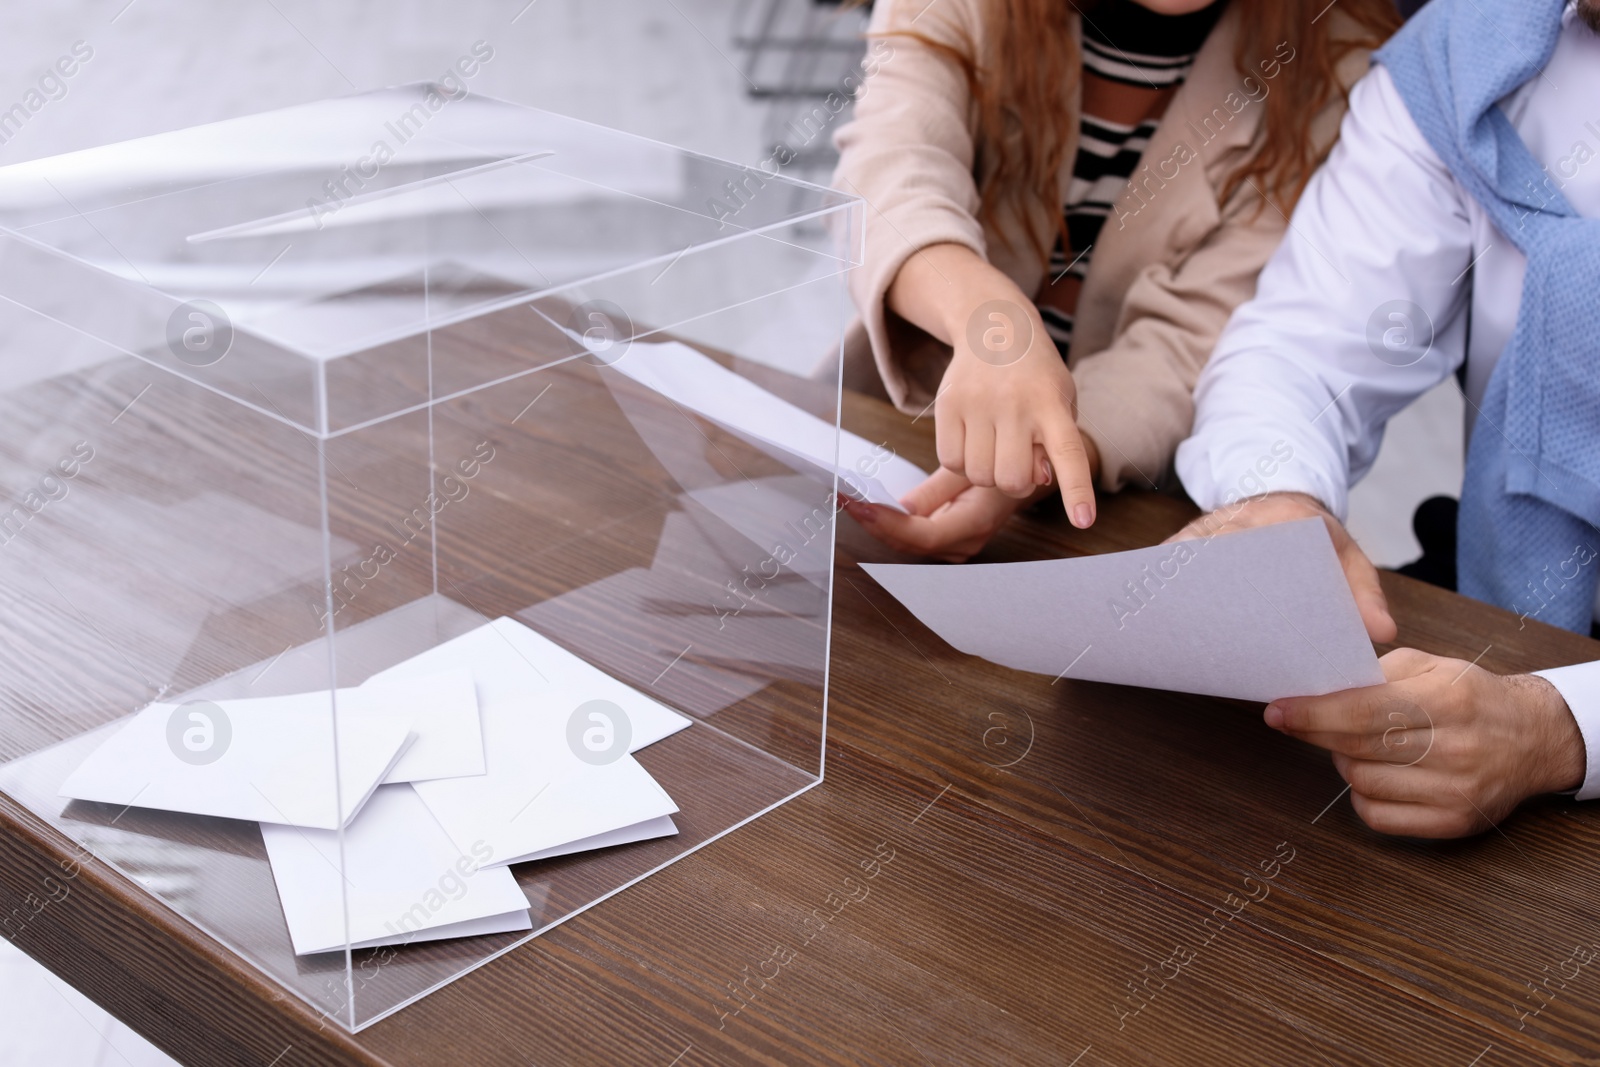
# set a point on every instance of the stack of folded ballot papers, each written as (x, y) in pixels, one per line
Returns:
(494, 748)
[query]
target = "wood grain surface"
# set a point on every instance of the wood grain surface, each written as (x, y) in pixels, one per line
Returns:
(996, 869)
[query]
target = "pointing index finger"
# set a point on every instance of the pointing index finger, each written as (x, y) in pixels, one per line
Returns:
(1070, 465)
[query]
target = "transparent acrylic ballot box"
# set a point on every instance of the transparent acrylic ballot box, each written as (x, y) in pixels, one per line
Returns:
(364, 596)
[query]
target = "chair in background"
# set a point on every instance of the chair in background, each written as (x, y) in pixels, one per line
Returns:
(798, 54)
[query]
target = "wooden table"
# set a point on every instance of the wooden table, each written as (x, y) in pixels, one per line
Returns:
(1023, 872)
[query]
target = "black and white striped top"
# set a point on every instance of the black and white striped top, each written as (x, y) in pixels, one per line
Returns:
(1133, 62)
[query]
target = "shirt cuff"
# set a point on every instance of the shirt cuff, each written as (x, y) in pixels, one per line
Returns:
(1579, 686)
(1219, 469)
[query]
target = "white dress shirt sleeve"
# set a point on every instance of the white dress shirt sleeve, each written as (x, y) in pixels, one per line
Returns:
(1579, 686)
(1295, 397)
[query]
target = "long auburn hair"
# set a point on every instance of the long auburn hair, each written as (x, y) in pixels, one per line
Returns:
(1024, 92)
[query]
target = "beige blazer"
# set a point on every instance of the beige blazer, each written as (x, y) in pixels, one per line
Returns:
(1168, 269)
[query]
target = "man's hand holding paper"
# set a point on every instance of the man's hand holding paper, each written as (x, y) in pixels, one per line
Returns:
(1442, 748)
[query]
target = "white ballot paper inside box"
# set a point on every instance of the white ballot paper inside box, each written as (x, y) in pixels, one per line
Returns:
(271, 759)
(402, 880)
(790, 434)
(1255, 615)
(556, 775)
(442, 708)
(539, 796)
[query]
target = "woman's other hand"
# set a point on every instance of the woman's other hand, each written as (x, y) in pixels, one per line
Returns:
(950, 518)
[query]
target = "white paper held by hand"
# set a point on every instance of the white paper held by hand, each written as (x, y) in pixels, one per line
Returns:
(1256, 615)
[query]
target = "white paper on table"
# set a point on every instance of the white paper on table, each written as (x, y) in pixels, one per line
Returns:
(769, 422)
(276, 763)
(513, 664)
(442, 708)
(538, 794)
(403, 880)
(1256, 615)
(648, 830)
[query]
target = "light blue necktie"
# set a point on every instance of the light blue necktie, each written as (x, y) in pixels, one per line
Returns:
(1526, 535)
